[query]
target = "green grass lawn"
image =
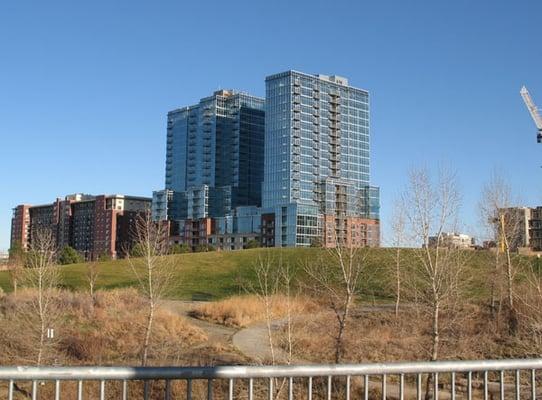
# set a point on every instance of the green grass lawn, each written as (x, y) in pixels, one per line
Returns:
(215, 275)
(203, 276)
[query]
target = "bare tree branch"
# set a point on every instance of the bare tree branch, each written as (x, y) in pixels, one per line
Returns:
(152, 267)
(42, 275)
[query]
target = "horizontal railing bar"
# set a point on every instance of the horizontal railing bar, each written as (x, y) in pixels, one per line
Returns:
(277, 371)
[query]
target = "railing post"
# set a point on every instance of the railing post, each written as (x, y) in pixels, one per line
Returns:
(401, 386)
(10, 390)
(80, 390)
(469, 385)
(34, 390)
(533, 384)
(518, 388)
(452, 387)
(189, 389)
(209, 389)
(384, 394)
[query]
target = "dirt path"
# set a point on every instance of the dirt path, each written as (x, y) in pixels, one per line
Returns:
(216, 334)
(253, 342)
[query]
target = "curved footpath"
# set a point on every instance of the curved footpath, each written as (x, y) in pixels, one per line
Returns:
(253, 343)
(216, 334)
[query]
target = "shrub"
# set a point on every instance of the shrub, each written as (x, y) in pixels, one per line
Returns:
(179, 248)
(69, 255)
(253, 244)
(200, 248)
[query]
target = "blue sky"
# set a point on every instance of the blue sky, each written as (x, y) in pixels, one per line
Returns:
(85, 86)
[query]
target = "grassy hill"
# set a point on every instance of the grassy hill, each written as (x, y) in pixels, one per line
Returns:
(215, 275)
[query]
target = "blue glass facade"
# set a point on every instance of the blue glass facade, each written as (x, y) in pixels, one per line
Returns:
(214, 158)
(316, 155)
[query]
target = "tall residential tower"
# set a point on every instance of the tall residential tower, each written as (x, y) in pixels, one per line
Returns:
(214, 171)
(316, 177)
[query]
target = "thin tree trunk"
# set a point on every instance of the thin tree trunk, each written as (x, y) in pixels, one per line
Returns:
(42, 320)
(268, 326)
(512, 317)
(342, 327)
(338, 342)
(435, 333)
(493, 304)
(148, 334)
(510, 279)
(434, 347)
(40, 350)
(398, 277)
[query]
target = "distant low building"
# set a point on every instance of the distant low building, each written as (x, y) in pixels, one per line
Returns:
(535, 229)
(231, 232)
(452, 240)
(516, 220)
(92, 225)
(522, 227)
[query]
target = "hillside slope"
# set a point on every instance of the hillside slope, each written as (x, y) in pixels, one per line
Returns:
(215, 275)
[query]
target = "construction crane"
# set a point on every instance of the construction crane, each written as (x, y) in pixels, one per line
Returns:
(533, 111)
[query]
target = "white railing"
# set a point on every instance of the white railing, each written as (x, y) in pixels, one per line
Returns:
(485, 379)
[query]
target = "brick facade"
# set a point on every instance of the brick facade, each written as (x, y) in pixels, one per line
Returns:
(93, 225)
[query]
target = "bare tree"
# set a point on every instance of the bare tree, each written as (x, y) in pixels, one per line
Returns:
(430, 209)
(273, 279)
(42, 275)
(336, 278)
(92, 274)
(398, 228)
(266, 287)
(504, 224)
(152, 268)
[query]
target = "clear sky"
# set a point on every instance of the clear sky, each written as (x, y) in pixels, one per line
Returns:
(85, 86)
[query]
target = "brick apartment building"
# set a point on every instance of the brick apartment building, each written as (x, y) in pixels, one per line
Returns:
(92, 225)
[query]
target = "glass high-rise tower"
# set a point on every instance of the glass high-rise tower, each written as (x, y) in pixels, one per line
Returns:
(317, 170)
(214, 159)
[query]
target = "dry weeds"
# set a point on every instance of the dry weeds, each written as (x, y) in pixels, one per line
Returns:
(108, 330)
(470, 333)
(241, 311)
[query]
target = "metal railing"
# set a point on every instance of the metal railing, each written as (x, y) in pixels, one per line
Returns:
(486, 379)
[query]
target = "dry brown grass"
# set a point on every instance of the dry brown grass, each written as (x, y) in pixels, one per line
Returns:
(240, 311)
(470, 333)
(105, 331)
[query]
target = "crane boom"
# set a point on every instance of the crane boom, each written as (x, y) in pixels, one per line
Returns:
(531, 107)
